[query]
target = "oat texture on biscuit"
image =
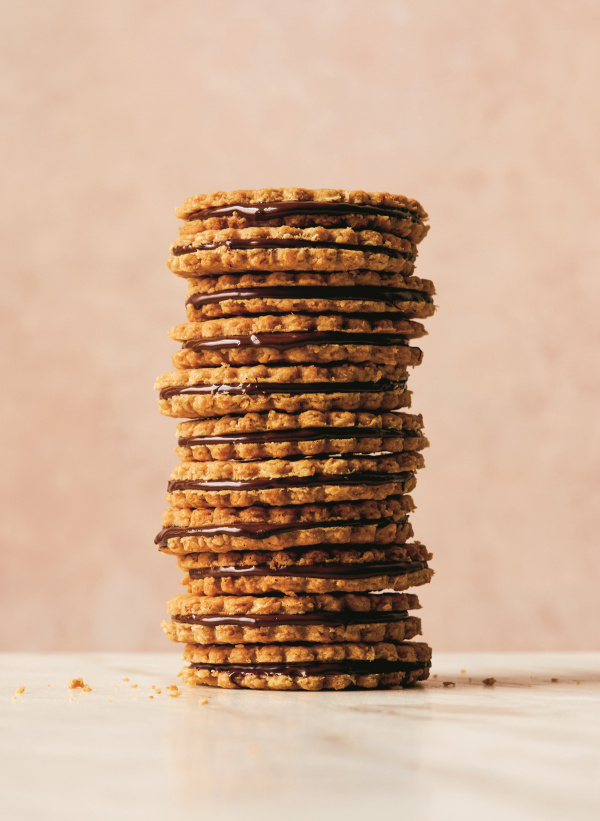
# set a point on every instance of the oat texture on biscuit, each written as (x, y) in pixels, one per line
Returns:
(290, 508)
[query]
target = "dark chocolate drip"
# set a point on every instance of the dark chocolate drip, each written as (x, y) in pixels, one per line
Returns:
(389, 296)
(308, 435)
(316, 668)
(273, 243)
(260, 388)
(284, 341)
(312, 571)
(258, 530)
(262, 211)
(357, 478)
(339, 619)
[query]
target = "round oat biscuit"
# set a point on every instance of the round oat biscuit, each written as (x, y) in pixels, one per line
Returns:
(281, 435)
(278, 528)
(208, 392)
(329, 617)
(380, 296)
(304, 208)
(319, 570)
(275, 340)
(295, 481)
(285, 248)
(307, 667)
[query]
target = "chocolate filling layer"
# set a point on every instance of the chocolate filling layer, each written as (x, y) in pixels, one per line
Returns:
(260, 530)
(284, 341)
(389, 296)
(312, 571)
(293, 481)
(317, 668)
(310, 435)
(273, 243)
(266, 388)
(339, 619)
(262, 211)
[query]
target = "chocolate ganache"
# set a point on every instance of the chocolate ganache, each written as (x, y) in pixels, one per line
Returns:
(261, 530)
(317, 668)
(270, 243)
(306, 435)
(293, 481)
(388, 296)
(263, 211)
(284, 341)
(335, 619)
(312, 571)
(260, 388)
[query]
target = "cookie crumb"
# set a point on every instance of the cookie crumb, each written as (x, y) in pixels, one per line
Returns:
(449, 683)
(150, 696)
(134, 686)
(20, 689)
(435, 675)
(125, 679)
(553, 680)
(110, 700)
(174, 693)
(171, 687)
(463, 671)
(86, 688)
(204, 701)
(488, 682)
(76, 683)
(157, 690)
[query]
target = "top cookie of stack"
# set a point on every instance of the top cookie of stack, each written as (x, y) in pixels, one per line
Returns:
(294, 472)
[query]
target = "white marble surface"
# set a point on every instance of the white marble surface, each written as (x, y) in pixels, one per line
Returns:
(526, 748)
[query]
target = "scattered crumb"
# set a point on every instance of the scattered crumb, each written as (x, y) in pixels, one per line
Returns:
(553, 680)
(125, 679)
(76, 683)
(150, 696)
(86, 688)
(463, 671)
(116, 686)
(435, 675)
(49, 685)
(577, 682)
(449, 684)
(110, 700)
(157, 690)
(171, 687)
(134, 686)
(20, 689)
(488, 682)
(204, 701)
(174, 693)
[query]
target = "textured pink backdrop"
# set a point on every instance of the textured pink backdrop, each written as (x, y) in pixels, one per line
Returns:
(488, 113)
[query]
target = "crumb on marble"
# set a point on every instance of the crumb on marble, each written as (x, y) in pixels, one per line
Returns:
(150, 696)
(553, 680)
(110, 700)
(449, 683)
(435, 675)
(134, 686)
(173, 690)
(20, 689)
(124, 679)
(463, 671)
(488, 682)
(204, 701)
(86, 688)
(76, 684)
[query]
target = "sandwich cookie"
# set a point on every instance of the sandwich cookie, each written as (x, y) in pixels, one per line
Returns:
(329, 617)
(307, 667)
(219, 530)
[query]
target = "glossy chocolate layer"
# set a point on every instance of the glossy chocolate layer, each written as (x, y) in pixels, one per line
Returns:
(262, 211)
(260, 530)
(266, 388)
(312, 571)
(389, 296)
(316, 668)
(307, 435)
(273, 243)
(294, 481)
(284, 341)
(339, 619)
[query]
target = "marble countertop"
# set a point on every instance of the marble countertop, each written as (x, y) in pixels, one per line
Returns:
(526, 747)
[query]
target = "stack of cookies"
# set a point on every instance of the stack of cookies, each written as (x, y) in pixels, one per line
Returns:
(289, 508)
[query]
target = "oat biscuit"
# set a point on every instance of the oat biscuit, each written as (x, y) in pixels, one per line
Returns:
(294, 481)
(319, 618)
(371, 293)
(280, 435)
(312, 667)
(284, 249)
(263, 528)
(318, 570)
(303, 208)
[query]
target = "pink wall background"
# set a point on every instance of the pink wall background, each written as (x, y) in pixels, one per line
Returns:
(488, 113)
